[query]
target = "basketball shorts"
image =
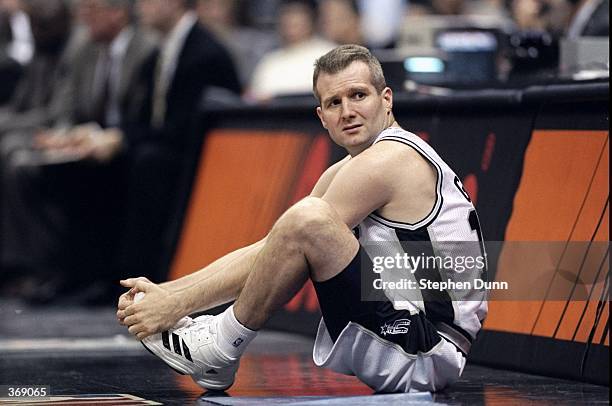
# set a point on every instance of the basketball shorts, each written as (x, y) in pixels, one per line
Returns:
(389, 350)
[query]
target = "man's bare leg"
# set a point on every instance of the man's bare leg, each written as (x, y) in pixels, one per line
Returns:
(309, 240)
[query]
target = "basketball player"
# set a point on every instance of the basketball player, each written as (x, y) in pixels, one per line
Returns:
(391, 188)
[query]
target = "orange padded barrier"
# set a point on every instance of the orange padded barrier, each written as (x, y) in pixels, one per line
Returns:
(563, 196)
(241, 188)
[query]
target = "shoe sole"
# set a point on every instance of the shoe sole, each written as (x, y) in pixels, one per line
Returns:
(170, 366)
(178, 368)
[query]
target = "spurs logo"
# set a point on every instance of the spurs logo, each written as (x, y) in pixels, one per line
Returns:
(237, 342)
(398, 327)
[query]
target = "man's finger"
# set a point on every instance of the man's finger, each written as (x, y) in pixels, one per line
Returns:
(131, 309)
(131, 282)
(135, 329)
(125, 301)
(143, 286)
(131, 320)
(124, 304)
(128, 283)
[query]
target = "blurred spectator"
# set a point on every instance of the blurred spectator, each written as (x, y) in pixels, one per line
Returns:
(288, 70)
(59, 204)
(381, 21)
(591, 19)
(490, 8)
(10, 69)
(20, 46)
(551, 16)
(41, 93)
(262, 12)
(534, 51)
(229, 20)
(448, 7)
(160, 150)
(340, 21)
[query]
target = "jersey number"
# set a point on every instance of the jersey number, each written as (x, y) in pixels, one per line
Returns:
(473, 217)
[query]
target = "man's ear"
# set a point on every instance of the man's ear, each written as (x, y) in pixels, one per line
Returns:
(320, 114)
(388, 97)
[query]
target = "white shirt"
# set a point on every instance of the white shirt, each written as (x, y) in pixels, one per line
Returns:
(288, 70)
(166, 64)
(21, 47)
(117, 50)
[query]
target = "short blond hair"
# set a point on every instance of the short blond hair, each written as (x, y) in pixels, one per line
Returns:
(341, 57)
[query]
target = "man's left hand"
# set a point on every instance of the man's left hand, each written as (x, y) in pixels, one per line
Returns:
(156, 312)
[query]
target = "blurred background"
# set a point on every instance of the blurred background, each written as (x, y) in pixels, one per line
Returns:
(100, 101)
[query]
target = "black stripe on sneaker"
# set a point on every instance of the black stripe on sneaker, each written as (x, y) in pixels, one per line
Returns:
(148, 349)
(165, 340)
(186, 351)
(177, 344)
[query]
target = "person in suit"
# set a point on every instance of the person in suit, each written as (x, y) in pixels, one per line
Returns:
(163, 152)
(62, 187)
(34, 103)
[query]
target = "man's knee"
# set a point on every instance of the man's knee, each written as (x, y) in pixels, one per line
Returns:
(309, 218)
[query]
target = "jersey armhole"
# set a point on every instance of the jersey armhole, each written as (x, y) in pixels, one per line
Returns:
(435, 210)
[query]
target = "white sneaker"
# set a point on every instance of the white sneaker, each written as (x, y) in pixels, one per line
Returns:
(190, 349)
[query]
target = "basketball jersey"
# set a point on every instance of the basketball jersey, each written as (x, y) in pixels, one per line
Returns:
(449, 230)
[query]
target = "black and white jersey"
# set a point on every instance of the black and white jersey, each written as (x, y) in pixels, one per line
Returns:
(450, 232)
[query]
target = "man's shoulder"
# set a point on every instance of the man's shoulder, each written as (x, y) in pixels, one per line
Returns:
(204, 41)
(390, 158)
(381, 153)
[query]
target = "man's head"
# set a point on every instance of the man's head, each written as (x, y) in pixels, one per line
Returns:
(340, 21)
(355, 103)
(106, 18)
(296, 21)
(50, 22)
(162, 15)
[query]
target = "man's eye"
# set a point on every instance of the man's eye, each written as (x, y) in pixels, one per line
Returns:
(334, 102)
(359, 95)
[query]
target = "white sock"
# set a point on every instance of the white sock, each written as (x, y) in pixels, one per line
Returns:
(233, 337)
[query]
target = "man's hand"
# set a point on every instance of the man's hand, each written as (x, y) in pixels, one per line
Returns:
(127, 299)
(106, 145)
(87, 141)
(156, 312)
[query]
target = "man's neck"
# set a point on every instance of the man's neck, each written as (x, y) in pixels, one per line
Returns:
(173, 21)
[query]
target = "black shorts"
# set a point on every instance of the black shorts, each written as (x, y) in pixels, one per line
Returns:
(340, 302)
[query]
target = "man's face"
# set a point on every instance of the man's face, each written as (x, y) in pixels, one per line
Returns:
(102, 20)
(352, 110)
(295, 24)
(153, 13)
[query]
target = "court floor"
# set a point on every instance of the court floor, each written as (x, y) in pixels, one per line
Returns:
(86, 358)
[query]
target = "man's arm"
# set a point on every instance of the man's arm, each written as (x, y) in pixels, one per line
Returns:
(241, 257)
(216, 284)
(363, 184)
(326, 178)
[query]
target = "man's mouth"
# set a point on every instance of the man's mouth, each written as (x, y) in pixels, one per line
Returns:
(351, 127)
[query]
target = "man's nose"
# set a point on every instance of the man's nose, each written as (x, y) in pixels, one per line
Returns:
(347, 109)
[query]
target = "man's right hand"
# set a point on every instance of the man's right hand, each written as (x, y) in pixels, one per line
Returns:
(127, 299)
